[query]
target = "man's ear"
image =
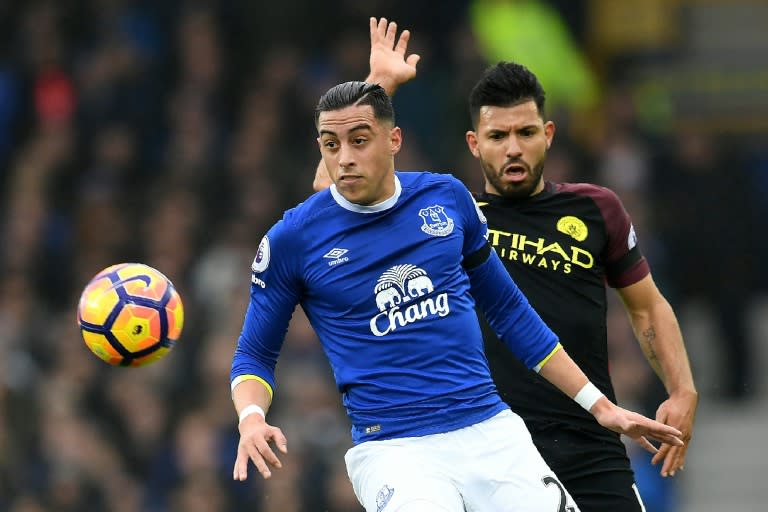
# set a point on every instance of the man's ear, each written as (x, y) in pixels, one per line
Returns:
(395, 139)
(549, 132)
(472, 143)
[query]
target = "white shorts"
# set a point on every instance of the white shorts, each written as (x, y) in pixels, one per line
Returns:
(490, 466)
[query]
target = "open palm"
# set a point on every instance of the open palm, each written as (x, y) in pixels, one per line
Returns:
(388, 62)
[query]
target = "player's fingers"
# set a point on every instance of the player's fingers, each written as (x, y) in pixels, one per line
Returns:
(280, 440)
(661, 454)
(373, 25)
(266, 454)
(413, 59)
(671, 437)
(677, 458)
(645, 443)
(381, 29)
(670, 466)
(662, 432)
(664, 438)
(391, 33)
(258, 461)
(682, 453)
(402, 43)
(240, 470)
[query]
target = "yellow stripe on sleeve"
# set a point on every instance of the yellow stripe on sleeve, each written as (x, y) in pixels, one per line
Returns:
(539, 366)
(243, 378)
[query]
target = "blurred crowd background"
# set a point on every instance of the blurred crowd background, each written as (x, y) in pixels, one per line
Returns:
(176, 132)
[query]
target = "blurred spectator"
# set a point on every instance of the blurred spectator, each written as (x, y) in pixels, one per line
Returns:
(705, 219)
(534, 34)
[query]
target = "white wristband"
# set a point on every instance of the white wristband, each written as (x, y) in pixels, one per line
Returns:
(250, 409)
(588, 395)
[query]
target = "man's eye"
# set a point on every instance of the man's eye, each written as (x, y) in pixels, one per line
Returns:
(330, 144)
(359, 140)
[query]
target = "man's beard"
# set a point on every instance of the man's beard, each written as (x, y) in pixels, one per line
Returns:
(518, 190)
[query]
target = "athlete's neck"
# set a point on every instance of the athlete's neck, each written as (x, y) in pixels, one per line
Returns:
(359, 208)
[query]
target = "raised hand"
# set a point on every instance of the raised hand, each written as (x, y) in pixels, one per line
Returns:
(390, 67)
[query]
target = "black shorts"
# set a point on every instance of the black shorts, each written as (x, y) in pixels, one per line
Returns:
(594, 468)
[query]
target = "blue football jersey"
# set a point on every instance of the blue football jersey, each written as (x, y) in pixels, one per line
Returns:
(386, 292)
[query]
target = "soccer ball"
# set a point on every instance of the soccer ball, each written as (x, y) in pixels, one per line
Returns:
(130, 315)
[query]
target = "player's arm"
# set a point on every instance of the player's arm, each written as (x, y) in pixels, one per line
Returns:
(389, 67)
(253, 381)
(275, 291)
(519, 326)
(252, 400)
(658, 332)
(564, 373)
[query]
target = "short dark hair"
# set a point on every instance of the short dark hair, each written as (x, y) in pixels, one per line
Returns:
(504, 85)
(357, 93)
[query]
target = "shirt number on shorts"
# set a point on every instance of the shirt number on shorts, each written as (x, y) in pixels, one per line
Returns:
(550, 480)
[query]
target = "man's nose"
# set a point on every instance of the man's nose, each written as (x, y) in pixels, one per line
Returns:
(513, 148)
(346, 156)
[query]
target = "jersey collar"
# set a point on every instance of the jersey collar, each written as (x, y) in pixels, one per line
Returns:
(378, 207)
(548, 190)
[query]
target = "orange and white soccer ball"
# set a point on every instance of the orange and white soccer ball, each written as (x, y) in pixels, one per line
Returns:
(130, 314)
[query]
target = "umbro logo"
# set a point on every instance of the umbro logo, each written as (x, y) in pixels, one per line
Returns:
(336, 255)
